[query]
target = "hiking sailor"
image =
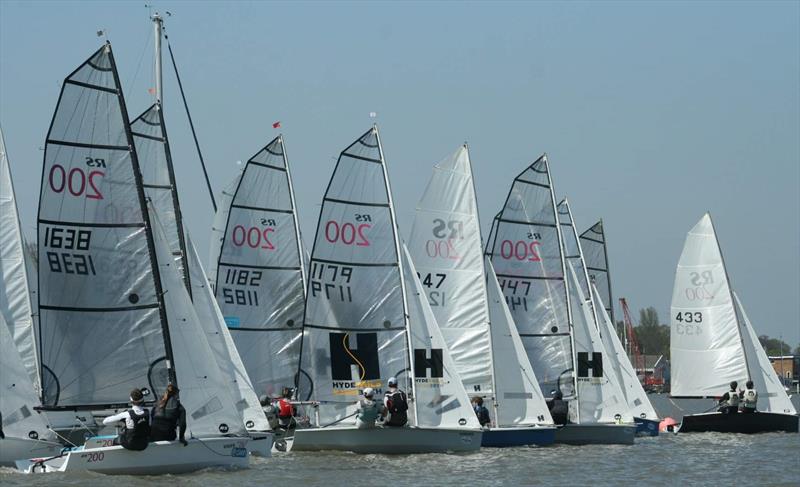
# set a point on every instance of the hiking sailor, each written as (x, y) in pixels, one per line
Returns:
(368, 410)
(167, 416)
(729, 402)
(749, 398)
(286, 411)
(396, 403)
(136, 430)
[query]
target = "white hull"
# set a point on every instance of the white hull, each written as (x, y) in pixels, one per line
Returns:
(160, 457)
(387, 440)
(13, 449)
(261, 443)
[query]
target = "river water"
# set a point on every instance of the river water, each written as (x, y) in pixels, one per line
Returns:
(689, 459)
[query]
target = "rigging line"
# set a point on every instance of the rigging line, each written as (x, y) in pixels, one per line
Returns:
(132, 78)
(360, 365)
(191, 124)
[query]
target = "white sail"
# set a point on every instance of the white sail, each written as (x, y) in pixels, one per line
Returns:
(638, 402)
(593, 244)
(772, 396)
(441, 400)
(101, 319)
(520, 400)
(17, 396)
(573, 253)
(218, 226)
(705, 343)
(225, 353)
(600, 398)
(260, 280)
(204, 386)
(354, 330)
(446, 245)
(525, 249)
(15, 298)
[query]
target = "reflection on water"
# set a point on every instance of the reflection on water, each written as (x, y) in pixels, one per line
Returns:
(688, 459)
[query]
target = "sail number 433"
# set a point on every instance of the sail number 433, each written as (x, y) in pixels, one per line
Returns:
(688, 322)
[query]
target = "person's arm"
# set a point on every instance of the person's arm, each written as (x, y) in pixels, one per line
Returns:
(182, 424)
(117, 417)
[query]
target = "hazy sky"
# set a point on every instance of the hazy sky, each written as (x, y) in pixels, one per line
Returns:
(652, 113)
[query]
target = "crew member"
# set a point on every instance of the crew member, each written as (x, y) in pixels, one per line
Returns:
(286, 411)
(559, 408)
(729, 402)
(167, 416)
(749, 398)
(396, 404)
(136, 429)
(368, 410)
(481, 412)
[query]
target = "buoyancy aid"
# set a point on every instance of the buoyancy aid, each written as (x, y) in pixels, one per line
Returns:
(137, 437)
(750, 398)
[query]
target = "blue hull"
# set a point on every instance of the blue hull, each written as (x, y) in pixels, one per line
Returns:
(646, 427)
(505, 437)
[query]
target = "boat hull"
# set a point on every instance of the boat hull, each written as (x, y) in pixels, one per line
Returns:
(646, 427)
(13, 449)
(387, 440)
(505, 437)
(760, 422)
(596, 434)
(160, 457)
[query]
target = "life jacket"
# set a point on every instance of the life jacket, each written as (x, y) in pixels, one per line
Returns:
(165, 420)
(750, 398)
(136, 438)
(559, 406)
(733, 399)
(397, 404)
(368, 410)
(285, 409)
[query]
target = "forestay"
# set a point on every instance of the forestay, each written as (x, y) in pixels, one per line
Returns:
(15, 298)
(520, 400)
(440, 398)
(525, 249)
(260, 282)
(17, 396)
(626, 377)
(705, 343)
(593, 244)
(600, 398)
(204, 386)
(222, 345)
(101, 326)
(446, 245)
(771, 393)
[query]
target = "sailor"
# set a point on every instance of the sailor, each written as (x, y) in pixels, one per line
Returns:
(286, 411)
(749, 398)
(167, 416)
(396, 404)
(729, 402)
(481, 412)
(368, 410)
(136, 429)
(559, 408)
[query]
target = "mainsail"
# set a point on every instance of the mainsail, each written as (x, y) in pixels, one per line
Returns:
(705, 339)
(446, 245)
(158, 177)
(573, 253)
(593, 244)
(103, 325)
(526, 250)
(259, 269)
(15, 298)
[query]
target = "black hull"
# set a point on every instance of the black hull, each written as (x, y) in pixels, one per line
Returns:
(739, 423)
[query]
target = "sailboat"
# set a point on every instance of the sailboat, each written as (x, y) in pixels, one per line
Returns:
(470, 309)
(259, 272)
(367, 319)
(554, 317)
(712, 343)
(593, 245)
(114, 311)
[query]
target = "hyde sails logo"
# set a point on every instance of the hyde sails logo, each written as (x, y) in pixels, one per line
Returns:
(590, 370)
(354, 362)
(428, 366)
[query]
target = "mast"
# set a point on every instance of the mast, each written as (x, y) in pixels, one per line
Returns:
(733, 301)
(158, 24)
(485, 292)
(294, 216)
(566, 290)
(402, 277)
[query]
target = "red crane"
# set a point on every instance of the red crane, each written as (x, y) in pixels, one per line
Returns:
(632, 345)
